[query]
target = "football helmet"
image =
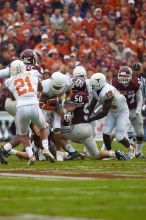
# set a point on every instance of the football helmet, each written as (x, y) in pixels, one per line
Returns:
(98, 81)
(17, 67)
(57, 82)
(79, 71)
(28, 56)
(78, 84)
(125, 75)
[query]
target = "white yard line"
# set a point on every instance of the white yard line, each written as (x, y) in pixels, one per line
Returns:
(50, 177)
(41, 217)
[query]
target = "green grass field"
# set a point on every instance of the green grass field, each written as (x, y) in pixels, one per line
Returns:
(110, 190)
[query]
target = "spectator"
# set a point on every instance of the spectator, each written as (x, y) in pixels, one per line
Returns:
(63, 46)
(56, 60)
(45, 42)
(56, 18)
(132, 10)
(7, 8)
(89, 24)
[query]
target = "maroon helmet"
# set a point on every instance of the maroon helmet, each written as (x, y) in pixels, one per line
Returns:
(78, 84)
(125, 75)
(28, 56)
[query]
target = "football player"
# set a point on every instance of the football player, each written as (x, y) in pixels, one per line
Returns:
(23, 87)
(29, 57)
(130, 87)
(77, 129)
(113, 107)
(30, 60)
(55, 88)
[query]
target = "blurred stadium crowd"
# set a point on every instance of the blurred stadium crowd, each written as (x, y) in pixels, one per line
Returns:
(100, 35)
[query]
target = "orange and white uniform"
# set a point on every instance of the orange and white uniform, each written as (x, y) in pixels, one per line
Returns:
(118, 116)
(24, 89)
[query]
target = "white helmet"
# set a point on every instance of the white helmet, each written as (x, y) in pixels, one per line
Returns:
(57, 82)
(79, 71)
(17, 67)
(98, 81)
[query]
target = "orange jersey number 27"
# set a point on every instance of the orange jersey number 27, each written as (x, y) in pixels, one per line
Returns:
(21, 83)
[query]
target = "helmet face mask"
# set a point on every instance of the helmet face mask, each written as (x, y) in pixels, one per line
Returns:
(125, 75)
(98, 81)
(57, 82)
(78, 84)
(28, 56)
(17, 67)
(79, 71)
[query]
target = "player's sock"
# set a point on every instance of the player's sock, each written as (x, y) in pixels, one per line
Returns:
(29, 151)
(13, 152)
(7, 147)
(103, 147)
(69, 148)
(138, 148)
(45, 144)
(112, 154)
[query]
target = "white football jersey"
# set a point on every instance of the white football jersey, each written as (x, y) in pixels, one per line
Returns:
(24, 88)
(5, 73)
(48, 90)
(109, 91)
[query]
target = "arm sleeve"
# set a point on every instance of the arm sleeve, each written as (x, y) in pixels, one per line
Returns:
(4, 73)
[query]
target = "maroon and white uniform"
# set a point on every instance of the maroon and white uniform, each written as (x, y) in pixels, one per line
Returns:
(132, 92)
(80, 115)
(128, 91)
(75, 126)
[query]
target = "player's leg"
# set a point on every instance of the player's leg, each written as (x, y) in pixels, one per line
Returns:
(38, 119)
(139, 131)
(121, 126)
(56, 124)
(22, 123)
(108, 126)
(130, 133)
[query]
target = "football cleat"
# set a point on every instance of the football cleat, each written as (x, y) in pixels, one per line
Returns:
(140, 156)
(3, 156)
(74, 155)
(121, 155)
(48, 155)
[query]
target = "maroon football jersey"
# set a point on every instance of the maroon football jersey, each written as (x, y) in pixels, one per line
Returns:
(128, 91)
(80, 114)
